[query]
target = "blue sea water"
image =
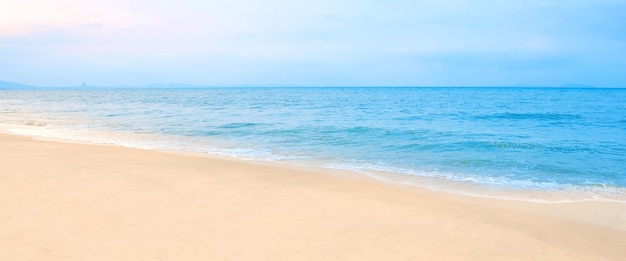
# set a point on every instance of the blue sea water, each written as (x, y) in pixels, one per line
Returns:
(491, 140)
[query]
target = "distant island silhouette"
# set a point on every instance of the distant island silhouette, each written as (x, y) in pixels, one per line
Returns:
(13, 85)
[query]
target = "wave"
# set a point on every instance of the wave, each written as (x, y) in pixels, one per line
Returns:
(529, 116)
(531, 189)
(238, 125)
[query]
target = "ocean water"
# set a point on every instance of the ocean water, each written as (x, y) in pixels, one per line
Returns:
(531, 143)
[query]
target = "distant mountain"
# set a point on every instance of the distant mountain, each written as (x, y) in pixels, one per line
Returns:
(13, 85)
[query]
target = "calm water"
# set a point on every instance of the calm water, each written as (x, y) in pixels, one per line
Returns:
(491, 139)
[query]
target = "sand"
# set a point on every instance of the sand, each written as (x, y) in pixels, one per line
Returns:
(64, 201)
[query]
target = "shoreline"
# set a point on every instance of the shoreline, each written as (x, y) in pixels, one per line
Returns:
(563, 194)
(70, 201)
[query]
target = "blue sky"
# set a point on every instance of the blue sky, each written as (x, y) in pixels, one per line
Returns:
(318, 43)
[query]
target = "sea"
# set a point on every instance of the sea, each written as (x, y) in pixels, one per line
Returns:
(537, 144)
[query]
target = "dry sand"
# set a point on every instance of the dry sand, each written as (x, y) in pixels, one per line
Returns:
(63, 201)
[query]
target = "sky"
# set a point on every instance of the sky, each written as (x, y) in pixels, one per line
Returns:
(314, 42)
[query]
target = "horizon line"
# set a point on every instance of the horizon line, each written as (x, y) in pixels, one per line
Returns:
(186, 85)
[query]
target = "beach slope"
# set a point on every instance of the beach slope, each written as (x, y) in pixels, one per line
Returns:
(63, 201)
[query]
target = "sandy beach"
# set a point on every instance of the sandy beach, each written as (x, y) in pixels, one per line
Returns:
(65, 201)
